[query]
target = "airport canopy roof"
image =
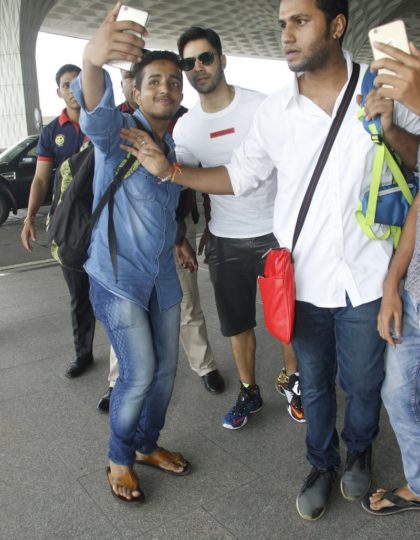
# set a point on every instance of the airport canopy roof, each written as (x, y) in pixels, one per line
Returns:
(247, 27)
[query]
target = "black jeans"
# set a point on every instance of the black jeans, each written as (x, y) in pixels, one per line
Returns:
(82, 316)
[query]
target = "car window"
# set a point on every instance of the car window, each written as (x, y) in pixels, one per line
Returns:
(32, 152)
(9, 154)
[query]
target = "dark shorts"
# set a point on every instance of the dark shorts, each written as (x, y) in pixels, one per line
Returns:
(234, 264)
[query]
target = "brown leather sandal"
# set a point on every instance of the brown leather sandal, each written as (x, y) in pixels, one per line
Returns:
(128, 480)
(160, 458)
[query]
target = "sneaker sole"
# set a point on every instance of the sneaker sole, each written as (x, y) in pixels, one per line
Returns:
(256, 410)
(229, 426)
(309, 518)
(302, 421)
(232, 428)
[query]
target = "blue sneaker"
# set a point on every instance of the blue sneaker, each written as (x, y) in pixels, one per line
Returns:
(249, 401)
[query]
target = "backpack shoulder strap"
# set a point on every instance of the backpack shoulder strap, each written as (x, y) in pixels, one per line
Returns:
(123, 171)
(382, 155)
(373, 126)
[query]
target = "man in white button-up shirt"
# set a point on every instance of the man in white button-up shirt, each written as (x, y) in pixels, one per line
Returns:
(339, 272)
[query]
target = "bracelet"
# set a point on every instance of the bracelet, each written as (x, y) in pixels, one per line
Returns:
(29, 219)
(176, 168)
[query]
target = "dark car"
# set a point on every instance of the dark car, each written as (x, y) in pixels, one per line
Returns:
(17, 169)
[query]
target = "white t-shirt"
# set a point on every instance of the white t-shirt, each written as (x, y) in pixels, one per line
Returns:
(209, 139)
(332, 256)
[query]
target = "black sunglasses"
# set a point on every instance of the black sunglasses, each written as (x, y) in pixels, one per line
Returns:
(206, 58)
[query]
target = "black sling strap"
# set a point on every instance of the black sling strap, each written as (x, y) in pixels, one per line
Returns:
(319, 167)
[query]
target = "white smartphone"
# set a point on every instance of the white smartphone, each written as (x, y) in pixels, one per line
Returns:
(394, 34)
(139, 16)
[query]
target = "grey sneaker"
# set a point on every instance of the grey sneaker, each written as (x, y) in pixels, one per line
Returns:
(357, 475)
(312, 500)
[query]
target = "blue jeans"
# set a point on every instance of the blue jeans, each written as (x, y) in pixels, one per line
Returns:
(344, 339)
(146, 345)
(401, 392)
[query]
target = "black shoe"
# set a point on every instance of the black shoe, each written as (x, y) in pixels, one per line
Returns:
(213, 382)
(78, 367)
(103, 403)
(357, 475)
(312, 500)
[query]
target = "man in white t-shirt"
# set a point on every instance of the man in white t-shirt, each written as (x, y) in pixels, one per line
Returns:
(240, 230)
(338, 271)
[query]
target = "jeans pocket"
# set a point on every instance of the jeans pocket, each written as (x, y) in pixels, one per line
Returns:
(209, 248)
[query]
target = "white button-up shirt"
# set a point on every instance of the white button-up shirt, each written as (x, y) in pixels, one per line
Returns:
(332, 256)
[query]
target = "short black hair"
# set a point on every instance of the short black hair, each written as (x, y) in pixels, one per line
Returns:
(333, 8)
(152, 56)
(67, 68)
(198, 32)
(127, 74)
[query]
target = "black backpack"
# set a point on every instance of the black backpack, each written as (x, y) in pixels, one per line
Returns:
(70, 221)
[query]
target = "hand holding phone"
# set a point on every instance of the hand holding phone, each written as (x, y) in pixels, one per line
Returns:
(402, 80)
(127, 13)
(393, 34)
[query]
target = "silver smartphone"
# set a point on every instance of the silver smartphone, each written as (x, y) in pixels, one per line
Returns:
(128, 13)
(394, 34)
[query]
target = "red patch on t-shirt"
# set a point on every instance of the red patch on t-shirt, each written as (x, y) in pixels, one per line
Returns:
(222, 133)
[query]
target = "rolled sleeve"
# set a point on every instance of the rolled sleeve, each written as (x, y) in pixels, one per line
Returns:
(250, 163)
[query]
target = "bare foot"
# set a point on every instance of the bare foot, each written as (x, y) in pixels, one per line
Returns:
(123, 481)
(377, 502)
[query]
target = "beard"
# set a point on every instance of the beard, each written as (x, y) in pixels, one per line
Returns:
(209, 85)
(317, 56)
(317, 59)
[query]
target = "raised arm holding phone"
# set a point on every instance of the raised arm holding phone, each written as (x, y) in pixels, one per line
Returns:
(138, 298)
(114, 40)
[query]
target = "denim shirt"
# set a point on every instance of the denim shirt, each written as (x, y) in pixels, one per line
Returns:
(144, 212)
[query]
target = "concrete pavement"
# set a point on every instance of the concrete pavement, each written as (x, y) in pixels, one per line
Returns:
(53, 440)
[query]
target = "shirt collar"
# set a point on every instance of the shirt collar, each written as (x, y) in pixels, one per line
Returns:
(293, 89)
(63, 118)
(126, 107)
